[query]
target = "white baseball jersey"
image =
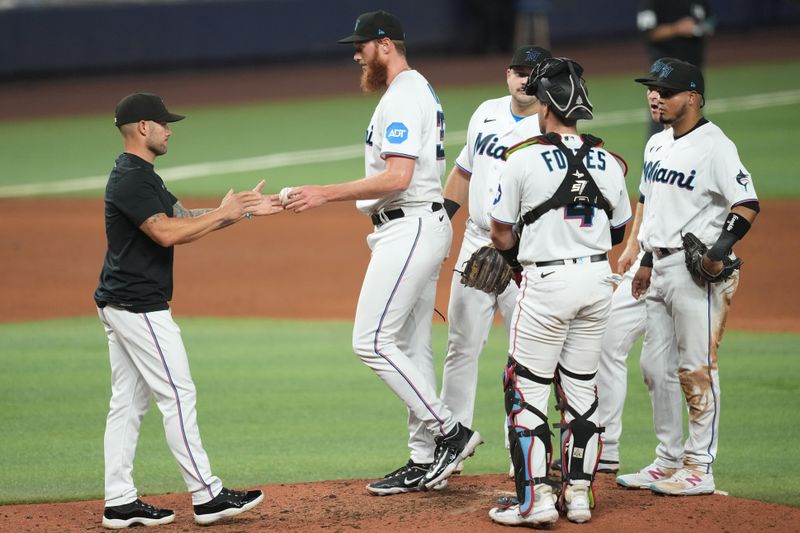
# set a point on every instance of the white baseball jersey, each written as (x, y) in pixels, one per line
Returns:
(492, 129)
(532, 175)
(690, 184)
(407, 122)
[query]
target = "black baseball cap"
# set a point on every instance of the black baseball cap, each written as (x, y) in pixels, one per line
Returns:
(529, 56)
(143, 106)
(375, 25)
(680, 76)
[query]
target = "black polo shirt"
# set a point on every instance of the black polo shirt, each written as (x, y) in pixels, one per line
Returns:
(137, 271)
(655, 12)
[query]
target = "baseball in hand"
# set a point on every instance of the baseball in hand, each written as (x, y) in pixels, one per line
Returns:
(284, 195)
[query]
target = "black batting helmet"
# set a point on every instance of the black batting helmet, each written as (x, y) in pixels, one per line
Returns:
(557, 82)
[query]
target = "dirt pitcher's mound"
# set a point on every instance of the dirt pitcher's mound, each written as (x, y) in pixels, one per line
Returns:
(462, 507)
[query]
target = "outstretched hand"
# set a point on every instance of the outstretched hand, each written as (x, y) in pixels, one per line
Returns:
(305, 197)
(269, 204)
(235, 205)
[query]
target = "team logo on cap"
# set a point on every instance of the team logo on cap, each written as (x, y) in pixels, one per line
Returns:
(742, 179)
(532, 55)
(396, 133)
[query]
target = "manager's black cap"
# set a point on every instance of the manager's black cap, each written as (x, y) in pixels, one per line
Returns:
(375, 25)
(669, 73)
(143, 106)
(529, 56)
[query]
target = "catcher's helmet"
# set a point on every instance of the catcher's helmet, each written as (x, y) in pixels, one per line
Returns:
(557, 82)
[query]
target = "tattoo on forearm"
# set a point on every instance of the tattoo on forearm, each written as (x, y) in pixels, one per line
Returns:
(179, 211)
(154, 219)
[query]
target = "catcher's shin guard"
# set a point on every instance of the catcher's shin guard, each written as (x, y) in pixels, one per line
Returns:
(560, 406)
(530, 463)
(581, 444)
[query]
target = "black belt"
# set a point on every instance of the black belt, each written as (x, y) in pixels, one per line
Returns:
(560, 262)
(664, 252)
(377, 219)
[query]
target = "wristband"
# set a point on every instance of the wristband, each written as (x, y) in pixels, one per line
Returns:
(450, 207)
(510, 256)
(735, 227)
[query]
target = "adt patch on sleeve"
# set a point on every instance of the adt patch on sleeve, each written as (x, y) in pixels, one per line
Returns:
(396, 133)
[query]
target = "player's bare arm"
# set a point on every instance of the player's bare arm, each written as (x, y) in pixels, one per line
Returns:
(169, 231)
(179, 211)
(628, 256)
(456, 190)
(394, 178)
(503, 236)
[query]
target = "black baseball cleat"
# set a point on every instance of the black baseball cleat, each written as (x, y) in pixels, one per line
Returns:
(136, 513)
(451, 450)
(405, 479)
(226, 503)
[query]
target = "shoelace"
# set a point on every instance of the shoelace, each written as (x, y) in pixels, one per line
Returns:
(145, 506)
(234, 493)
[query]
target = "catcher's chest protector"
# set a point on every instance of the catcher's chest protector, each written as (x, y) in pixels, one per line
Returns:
(578, 187)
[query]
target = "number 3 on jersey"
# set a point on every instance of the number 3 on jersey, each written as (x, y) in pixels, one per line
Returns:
(582, 212)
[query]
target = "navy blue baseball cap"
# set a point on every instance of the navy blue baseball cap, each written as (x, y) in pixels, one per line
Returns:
(143, 106)
(676, 75)
(375, 25)
(529, 56)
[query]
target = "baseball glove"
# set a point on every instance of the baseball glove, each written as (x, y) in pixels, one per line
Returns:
(487, 271)
(694, 249)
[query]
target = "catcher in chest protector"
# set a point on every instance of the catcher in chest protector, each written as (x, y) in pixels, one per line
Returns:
(567, 196)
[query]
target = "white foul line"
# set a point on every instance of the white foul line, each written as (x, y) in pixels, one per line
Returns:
(341, 153)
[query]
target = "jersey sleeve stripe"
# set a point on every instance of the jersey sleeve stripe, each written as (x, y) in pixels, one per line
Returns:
(464, 169)
(501, 221)
(621, 224)
(384, 155)
(740, 202)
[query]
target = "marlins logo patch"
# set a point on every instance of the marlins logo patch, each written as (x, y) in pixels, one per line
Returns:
(396, 133)
(742, 179)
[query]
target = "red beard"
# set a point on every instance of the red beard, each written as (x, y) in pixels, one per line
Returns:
(374, 76)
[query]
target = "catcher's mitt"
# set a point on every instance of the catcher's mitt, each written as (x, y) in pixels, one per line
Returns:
(694, 249)
(487, 271)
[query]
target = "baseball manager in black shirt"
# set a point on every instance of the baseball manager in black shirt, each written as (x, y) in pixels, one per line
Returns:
(144, 221)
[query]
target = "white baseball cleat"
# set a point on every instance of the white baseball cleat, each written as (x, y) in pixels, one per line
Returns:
(576, 498)
(686, 482)
(544, 510)
(645, 477)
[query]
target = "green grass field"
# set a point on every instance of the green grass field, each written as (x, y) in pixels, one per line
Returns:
(219, 134)
(312, 410)
(287, 401)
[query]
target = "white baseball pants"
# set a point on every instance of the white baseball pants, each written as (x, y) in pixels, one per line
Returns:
(147, 356)
(392, 331)
(685, 323)
(560, 319)
(470, 316)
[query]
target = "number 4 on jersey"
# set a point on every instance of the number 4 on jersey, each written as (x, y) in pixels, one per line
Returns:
(583, 212)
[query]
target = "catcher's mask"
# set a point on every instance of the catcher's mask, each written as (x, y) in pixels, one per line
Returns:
(557, 82)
